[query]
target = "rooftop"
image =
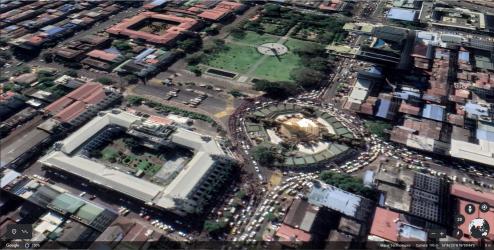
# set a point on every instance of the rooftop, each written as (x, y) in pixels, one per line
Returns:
(125, 27)
(290, 234)
(388, 225)
(141, 189)
(402, 14)
(341, 201)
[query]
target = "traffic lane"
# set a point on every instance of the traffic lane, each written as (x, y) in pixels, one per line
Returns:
(450, 171)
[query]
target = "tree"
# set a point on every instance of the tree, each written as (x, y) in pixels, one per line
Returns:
(134, 100)
(306, 77)
(237, 33)
(122, 45)
(316, 63)
(270, 216)
(196, 70)
(5, 55)
(132, 79)
(131, 143)
(236, 93)
(47, 57)
(105, 80)
(4, 41)
(213, 227)
(273, 10)
(348, 183)
(190, 44)
(264, 154)
(212, 31)
(21, 70)
(73, 65)
(276, 89)
(44, 74)
(195, 58)
(311, 51)
(72, 73)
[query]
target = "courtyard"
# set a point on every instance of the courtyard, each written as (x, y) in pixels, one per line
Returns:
(159, 166)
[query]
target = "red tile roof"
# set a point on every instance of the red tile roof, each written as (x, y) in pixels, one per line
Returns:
(58, 105)
(84, 91)
(385, 224)
(409, 109)
(7, 95)
(330, 5)
(160, 120)
(470, 194)
(102, 55)
(220, 10)
(456, 119)
(95, 97)
(123, 28)
(71, 112)
(287, 233)
(425, 127)
(74, 103)
(213, 14)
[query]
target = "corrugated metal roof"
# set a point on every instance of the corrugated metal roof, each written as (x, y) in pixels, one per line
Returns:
(476, 109)
(402, 14)
(53, 31)
(434, 112)
(464, 56)
(485, 135)
(145, 53)
(335, 198)
(383, 109)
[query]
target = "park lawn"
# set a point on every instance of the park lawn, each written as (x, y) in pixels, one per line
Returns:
(237, 58)
(254, 39)
(293, 44)
(278, 70)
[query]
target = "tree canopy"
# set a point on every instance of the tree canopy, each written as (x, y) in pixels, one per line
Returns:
(237, 33)
(105, 80)
(191, 44)
(348, 183)
(276, 89)
(213, 227)
(307, 77)
(264, 154)
(72, 73)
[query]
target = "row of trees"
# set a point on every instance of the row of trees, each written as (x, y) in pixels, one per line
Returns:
(137, 100)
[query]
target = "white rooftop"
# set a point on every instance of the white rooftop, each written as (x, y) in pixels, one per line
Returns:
(360, 91)
(335, 198)
(141, 189)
